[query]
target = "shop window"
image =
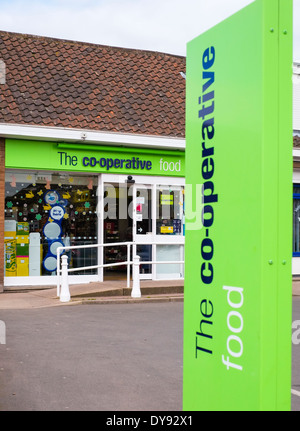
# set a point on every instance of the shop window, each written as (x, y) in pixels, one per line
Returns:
(170, 210)
(44, 211)
(169, 252)
(296, 220)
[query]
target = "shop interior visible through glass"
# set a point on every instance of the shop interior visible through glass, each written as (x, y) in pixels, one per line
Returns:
(44, 211)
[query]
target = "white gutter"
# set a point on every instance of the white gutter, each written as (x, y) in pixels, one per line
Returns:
(61, 134)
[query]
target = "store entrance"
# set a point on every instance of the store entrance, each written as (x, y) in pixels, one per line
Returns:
(127, 213)
(117, 203)
(149, 213)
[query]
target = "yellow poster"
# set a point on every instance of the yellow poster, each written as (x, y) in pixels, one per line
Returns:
(10, 257)
(166, 229)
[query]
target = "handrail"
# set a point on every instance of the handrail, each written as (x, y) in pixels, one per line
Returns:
(135, 262)
(59, 252)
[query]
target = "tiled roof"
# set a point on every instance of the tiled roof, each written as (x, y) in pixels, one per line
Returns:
(52, 82)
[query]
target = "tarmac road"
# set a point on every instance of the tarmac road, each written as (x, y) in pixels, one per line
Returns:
(116, 357)
(92, 357)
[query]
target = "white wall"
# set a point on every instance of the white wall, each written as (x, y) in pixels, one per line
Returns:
(296, 266)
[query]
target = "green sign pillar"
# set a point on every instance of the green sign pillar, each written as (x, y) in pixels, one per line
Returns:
(238, 287)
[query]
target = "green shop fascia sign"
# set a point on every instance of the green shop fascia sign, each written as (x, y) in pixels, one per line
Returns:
(52, 156)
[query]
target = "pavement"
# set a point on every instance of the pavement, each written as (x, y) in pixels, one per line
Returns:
(111, 291)
(296, 286)
(107, 292)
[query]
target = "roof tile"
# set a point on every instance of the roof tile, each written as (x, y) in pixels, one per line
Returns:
(79, 85)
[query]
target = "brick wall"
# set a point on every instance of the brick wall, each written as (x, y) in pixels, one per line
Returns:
(2, 203)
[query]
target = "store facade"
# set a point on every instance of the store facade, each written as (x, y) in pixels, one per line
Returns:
(60, 194)
(92, 144)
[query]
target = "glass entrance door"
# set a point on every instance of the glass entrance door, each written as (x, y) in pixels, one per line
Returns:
(117, 227)
(143, 227)
(127, 217)
(149, 212)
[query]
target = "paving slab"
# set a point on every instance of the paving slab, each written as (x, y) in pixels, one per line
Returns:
(111, 291)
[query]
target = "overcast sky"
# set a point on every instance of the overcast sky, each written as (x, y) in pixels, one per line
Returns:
(157, 25)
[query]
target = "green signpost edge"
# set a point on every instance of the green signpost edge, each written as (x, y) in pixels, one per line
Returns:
(238, 283)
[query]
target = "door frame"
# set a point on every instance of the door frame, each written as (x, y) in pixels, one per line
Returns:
(151, 239)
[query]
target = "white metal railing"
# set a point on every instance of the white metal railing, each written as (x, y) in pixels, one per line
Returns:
(63, 291)
(61, 250)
